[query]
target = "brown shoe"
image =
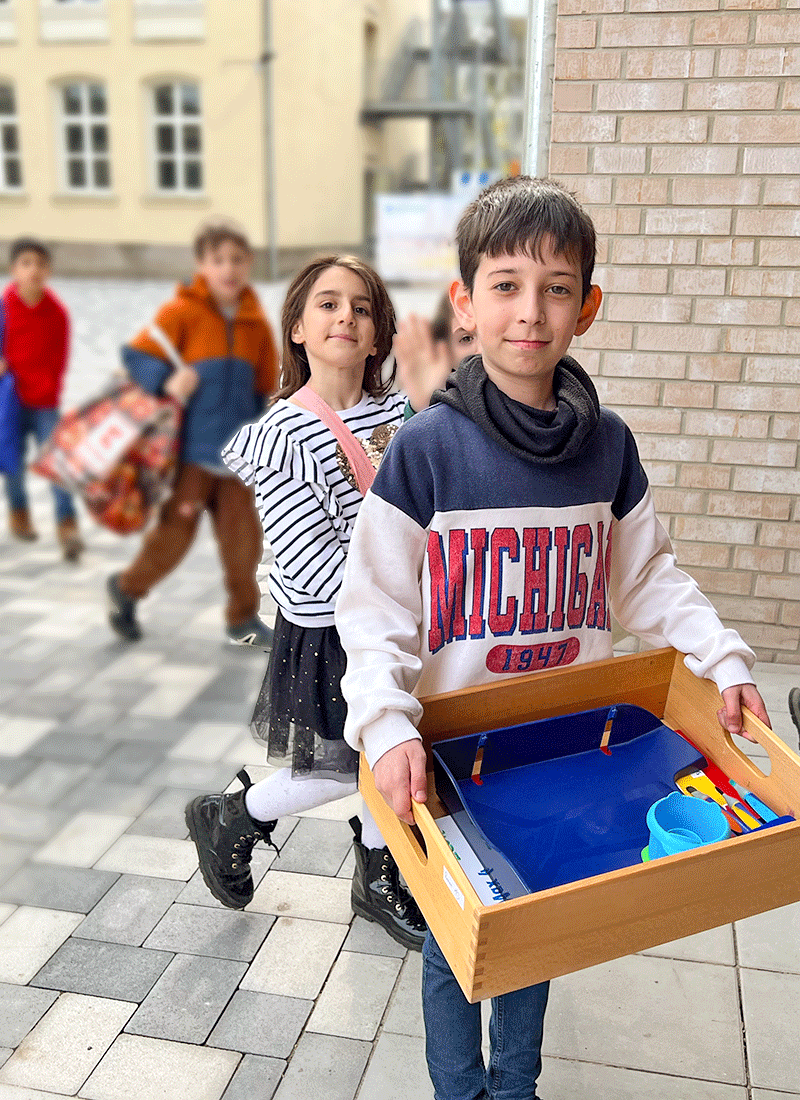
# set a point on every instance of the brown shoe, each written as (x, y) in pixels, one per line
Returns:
(71, 542)
(20, 526)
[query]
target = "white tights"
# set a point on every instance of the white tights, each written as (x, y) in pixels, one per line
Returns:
(279, 794)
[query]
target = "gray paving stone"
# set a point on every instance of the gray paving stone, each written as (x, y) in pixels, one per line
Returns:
(37, 824)
(232, 685)
(316, 847)
(13, 855)
(197, 893)
(17, 670)
(51, 886)
(70, 747)
(8, 692)
(13, 769)
(199, 930)
(255, 1079)
(130, 910)
(103, 970)
(326, 1065)
(129, 762)
(561, 1077)
(259, 1023)
(118, 693)
(198, 777)
(137, 1067)
(48, 782)
(187, 999)
(5, 1054)
(367, 938)
(94, 719)
(217, 710)
(104, 796)
(164, 816)
(160, 730)
(41, 706)
(21, 1008)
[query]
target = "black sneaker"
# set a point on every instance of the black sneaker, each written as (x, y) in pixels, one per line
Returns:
(378, 895)
(225, 834)
(253, 632)
(794, 709)
(122, 612)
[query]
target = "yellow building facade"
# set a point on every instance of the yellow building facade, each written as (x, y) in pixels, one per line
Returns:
(124, 123)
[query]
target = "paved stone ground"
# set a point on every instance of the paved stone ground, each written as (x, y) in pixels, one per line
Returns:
(122, 979)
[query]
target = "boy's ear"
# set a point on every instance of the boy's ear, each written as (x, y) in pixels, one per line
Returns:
(589, 309)
(461, 301)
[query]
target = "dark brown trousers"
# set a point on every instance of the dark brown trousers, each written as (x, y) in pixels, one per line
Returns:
(237, 528)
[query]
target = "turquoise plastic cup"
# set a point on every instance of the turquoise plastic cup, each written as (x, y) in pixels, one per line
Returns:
(679, 822)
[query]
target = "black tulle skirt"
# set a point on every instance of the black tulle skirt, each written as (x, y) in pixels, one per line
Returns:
(299, 714)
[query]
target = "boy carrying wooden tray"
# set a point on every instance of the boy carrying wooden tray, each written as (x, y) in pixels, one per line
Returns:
(506, 523)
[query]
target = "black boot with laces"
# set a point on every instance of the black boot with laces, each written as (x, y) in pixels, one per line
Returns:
(225, 834)
(378, 895)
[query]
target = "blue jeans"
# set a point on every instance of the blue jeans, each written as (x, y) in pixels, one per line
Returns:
(453, 1036)
(39, 423)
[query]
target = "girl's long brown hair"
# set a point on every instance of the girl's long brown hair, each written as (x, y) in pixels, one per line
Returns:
(294, 367)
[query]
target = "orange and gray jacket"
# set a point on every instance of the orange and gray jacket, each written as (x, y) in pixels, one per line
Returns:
(236, 360)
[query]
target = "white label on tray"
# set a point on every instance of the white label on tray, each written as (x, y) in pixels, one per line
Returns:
(450, 883)
(489, 892)
(104, 445)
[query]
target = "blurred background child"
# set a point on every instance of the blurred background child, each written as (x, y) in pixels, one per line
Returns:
(228, 367)
(427, 352)
(34, 347)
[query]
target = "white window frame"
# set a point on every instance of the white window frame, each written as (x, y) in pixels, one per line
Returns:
(169, 20)
(73, 20)
(12, 119)
(8, 23)
(176, 121)
(85, 121)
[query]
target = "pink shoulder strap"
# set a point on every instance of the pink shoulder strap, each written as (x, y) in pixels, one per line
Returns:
(361, 466)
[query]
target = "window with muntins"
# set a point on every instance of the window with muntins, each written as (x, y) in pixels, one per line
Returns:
(10, 160)
(177, 138)
(84, 137)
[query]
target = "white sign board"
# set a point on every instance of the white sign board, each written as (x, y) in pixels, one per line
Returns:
(415, 237)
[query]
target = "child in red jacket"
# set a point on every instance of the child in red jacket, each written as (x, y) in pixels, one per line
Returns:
(34, 347)
(230, 366)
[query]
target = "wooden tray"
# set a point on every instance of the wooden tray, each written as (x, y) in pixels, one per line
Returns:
(499, 948)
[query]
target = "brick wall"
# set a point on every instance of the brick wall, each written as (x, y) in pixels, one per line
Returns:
(677, 122)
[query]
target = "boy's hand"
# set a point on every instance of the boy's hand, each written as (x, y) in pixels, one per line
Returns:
(182, 383)
(423, 365)
(3, 366)
(734, 698)
(400, 776)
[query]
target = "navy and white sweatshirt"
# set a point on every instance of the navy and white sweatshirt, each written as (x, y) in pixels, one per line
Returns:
(470, 563)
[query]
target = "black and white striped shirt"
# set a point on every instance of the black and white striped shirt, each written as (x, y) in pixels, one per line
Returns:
(307, 506)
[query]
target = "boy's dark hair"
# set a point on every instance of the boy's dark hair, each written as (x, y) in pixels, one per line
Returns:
(212, 234)
(28, 244)
(294, 366)
(514, 214)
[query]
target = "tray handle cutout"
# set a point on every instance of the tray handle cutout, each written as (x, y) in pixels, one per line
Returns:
(415, 839)
(748, 770)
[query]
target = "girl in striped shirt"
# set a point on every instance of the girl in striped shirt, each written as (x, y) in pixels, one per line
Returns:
(338, 323)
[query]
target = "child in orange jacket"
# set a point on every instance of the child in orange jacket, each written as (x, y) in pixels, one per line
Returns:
(229, 367)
